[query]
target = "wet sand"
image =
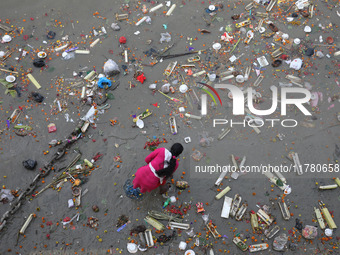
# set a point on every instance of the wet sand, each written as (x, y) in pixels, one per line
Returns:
(315, 145)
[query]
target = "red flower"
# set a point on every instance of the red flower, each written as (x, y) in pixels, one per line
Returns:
(122, 40)
(141, 78)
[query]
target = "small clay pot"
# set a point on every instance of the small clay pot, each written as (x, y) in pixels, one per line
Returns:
(235, 17)
(277, 63)
(273, 27)
(329, 40)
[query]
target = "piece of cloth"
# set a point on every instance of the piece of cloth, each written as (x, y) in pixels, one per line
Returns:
(141, 78)
(145, 179)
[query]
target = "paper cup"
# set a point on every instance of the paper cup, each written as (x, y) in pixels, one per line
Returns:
(297, 41)
(183, 88)
(240, 78)
(132, 247)
(212, 8)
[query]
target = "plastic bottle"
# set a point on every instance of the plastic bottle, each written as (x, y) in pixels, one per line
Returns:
(166, 203)
(87, 162)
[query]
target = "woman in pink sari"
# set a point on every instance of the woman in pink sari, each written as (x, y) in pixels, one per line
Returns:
(161, 164)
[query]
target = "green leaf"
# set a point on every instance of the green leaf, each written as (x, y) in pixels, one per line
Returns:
(13, 93)
(4, 82)
(279, 183)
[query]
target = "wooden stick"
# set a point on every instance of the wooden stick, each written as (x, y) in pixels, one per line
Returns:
(8, 71)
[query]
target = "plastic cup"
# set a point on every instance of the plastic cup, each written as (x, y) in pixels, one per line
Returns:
(183, 88)
(240, 78)
(297, 41)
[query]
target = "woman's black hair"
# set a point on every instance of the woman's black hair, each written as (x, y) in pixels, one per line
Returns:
(175, 150)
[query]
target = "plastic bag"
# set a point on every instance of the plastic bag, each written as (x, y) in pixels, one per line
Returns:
(89, 115)
(205, 141)
(309, 52)
(38, 63)
(104, 83)
(6, 196)
(68, 55)
(279, 243)
(115, 27)
(309, 232)
(29, 164)
(111, 68)
(196, 155)
(296, 64)
(205, 218)
(165, 37)
(37, 97)
(51, 35)
(165, 88)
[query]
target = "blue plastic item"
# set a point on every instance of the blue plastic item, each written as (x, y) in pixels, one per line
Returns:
(104, 83)
(131, 192)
